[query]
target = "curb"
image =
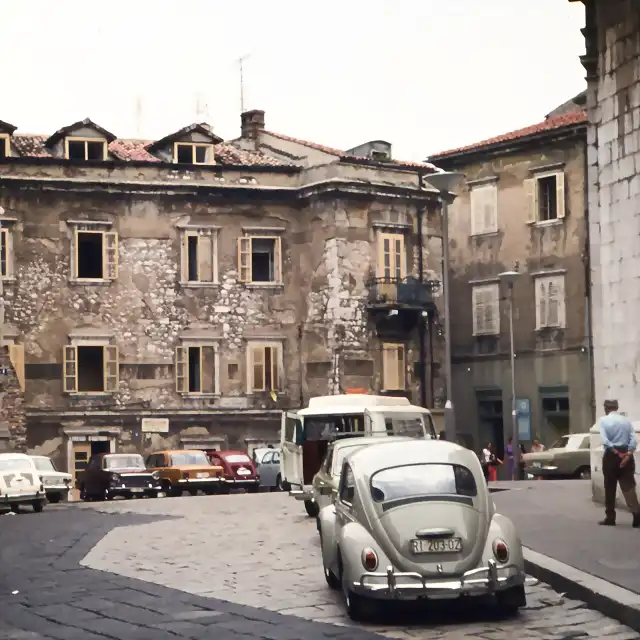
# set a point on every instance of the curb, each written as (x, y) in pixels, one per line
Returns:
(607, 598)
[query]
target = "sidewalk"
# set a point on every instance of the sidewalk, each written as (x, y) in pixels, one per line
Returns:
(565, 547)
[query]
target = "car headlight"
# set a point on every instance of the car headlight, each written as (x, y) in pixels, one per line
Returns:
(155, 475)
(115, 479)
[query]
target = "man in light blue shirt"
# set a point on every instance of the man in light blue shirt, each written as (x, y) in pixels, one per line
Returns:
(618, 465)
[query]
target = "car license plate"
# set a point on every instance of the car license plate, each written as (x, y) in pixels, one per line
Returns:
(137, 490)
(537, 465)
(202, 475)
(244, 472)
(447, 545)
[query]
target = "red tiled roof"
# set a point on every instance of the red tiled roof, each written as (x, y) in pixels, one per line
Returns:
(341, 154)
(33, 146)
(557, 122)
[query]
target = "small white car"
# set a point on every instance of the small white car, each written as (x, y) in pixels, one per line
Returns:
(415, 520)
(56, 483)
(20, 482)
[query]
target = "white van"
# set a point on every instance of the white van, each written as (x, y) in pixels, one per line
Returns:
(306, 434)
(20, 482)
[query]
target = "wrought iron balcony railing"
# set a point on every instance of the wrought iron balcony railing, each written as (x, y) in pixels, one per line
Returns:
(404, 292)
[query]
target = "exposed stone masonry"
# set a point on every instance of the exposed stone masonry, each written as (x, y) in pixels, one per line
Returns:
(13, 428)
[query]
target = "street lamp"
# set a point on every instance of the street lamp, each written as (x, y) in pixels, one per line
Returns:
(444, 182)
(509, 278)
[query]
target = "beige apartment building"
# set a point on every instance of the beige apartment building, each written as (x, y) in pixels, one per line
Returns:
(522, 207)
(183, 292)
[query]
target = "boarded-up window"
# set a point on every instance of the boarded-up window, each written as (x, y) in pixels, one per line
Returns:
(393, 367)
(485, 300)
(550, 302)
(484, 209)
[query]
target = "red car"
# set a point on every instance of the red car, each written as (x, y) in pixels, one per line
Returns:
(239, 470)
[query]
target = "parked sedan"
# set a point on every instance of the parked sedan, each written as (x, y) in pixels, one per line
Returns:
(267, 464)
(109, 475)
(56, 483)
(569, 457)
(185, 470)
(239, 471)
(415, 520)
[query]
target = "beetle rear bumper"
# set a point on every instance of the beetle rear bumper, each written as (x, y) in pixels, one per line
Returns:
(409, 585)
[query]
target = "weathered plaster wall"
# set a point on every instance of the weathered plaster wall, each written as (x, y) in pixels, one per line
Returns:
(13, 431)
(614, 202)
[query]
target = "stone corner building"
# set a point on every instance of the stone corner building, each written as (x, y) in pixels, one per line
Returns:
(522, 206)
(183, 292)
(612, 63)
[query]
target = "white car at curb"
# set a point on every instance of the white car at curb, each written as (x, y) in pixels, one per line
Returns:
(56, 483)
(20, 483)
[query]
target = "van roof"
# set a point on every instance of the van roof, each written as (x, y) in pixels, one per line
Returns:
(357, 403)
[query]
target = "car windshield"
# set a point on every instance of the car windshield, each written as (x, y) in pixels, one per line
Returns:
(418, 480)
(44, 464)
(189, 457)
(408, 424)
(124, 462)
(15, 464)
(238, 457)
(568, 442)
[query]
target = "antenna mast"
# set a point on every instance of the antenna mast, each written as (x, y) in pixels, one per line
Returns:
(138, 116)
(241, 60)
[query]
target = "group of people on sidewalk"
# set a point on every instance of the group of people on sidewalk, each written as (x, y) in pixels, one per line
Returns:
(490, 461)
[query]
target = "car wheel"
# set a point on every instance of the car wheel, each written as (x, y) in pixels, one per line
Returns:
(38, 505)
(15, 508)
(311, 508)
(54, 498)
(332, 581)
(584, 473)
(510, 600)
(359, 608)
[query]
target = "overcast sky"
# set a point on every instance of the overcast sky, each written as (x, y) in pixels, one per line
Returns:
(426, 75)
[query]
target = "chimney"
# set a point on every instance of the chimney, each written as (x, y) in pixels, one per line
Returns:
(252, 122)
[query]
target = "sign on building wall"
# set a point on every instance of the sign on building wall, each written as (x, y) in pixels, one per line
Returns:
(523, 415)
(155, 425)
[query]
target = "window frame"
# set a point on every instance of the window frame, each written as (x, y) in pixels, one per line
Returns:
(105, 147)
(400, 363)
(199, 231)
(5, 140)
(277, 366)
(542, 313)
(7, 238)
(209, 146)
(110, 253)
(493, 288)
(245, 267)
(479, 196)
(110, 356)
(399, 258)
(532, 189)
(182, 359)
(346, 470)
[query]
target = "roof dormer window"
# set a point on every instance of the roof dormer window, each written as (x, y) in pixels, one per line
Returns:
(5, 147)
(193, 153)
(85, 148)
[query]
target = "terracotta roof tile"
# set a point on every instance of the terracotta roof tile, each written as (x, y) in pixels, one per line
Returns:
(557, 122)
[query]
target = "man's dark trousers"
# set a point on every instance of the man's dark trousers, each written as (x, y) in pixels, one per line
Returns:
(613, 474)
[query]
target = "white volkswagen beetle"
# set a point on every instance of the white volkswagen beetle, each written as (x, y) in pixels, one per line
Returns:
(416, 520)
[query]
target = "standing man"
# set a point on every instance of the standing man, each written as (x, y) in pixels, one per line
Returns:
(618, 465)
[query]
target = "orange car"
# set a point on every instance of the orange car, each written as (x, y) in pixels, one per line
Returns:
(185, 470)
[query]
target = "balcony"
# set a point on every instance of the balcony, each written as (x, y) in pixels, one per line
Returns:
(396, 305)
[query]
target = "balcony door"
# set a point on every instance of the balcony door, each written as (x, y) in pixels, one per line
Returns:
(392, 264)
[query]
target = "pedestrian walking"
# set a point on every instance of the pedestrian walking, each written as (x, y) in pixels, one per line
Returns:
(511, 469)
(618, 466)
(492, 461)
(536, 446)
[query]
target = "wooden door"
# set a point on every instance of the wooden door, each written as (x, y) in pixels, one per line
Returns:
(81, 455)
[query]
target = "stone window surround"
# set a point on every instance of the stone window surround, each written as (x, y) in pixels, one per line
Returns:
(203, 340)
(186, 229)
(478, 184)
(90, 337)
(8, 223)
(91, 225)
(545, 171)
(264, 231)
(265, 341)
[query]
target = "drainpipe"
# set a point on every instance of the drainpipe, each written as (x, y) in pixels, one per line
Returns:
(300, 374)
(420, 209)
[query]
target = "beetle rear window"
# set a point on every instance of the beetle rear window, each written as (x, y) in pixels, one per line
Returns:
(417, 480)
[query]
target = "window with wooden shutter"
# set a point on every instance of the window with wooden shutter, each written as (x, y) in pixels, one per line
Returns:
(4, 252)
(264, 367)
(199, 253)
(95, 254)
(196, 369)
(16, 355)
(260, 259)
(550, 302)
(70, 370)
(111, 369)
(391, 256)
(393, 367)
(484, 209)
(530, 199)
(560, 195)
(485, 300)
(110, 255)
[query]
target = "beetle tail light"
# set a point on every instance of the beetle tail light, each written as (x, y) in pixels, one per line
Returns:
(369, 559)
(501, 551)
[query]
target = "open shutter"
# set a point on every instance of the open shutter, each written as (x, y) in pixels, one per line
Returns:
(69, 369)
(244, 259)
(388, 369)
(400, 366)
(490, 207)
(111, 369)
(208, 369)
(477, 301)
(205, 257)
(531, 199)
(257, 359)
(277, 259)
(383, 256)
(475, 222)
(16, 355)
(182, 370)
(541, 305)
(560, 197)
(275, 368)
(110, 255)
(400, 256)
(4, 252)
(184, 257)
(75, 252)
(492, 310)
(562, 313)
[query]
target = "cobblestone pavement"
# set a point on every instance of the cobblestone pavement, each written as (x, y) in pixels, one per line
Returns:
(262, 551)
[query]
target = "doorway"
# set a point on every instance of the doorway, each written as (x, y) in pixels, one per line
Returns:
(81, 454)
(491, 420)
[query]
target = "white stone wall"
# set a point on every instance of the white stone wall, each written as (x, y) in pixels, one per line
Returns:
(614, 205)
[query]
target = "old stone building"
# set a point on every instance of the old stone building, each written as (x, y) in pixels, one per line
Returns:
(521, 207)
(612, 62)
(182, 292)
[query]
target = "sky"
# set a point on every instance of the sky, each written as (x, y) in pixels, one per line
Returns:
(425, 75)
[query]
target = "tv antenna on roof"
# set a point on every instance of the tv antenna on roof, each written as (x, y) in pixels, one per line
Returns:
(241, 60)
(138, 116)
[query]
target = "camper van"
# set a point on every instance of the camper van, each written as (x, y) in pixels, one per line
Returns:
(306, 434)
